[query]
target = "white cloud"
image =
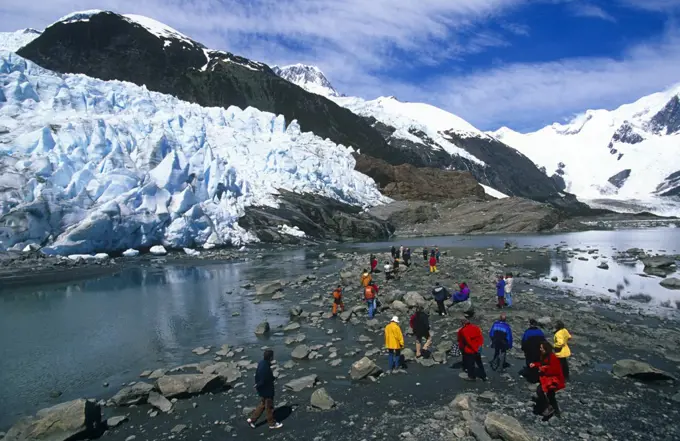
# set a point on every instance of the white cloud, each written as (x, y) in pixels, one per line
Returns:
(590, 10)
(524, 94)
(653, 5)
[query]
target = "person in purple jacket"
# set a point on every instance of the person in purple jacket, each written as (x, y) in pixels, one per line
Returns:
(500, 292)
(462, 295)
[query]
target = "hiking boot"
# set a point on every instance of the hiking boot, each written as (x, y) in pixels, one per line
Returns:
(276, 426)
(251, 423)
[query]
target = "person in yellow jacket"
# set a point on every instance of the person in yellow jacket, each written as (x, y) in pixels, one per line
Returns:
(366, 278)
(394, 343)
(561, 347)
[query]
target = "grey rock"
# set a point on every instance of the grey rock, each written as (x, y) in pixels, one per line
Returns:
(639, 370)
(479, 432)
(461, 402)
(188, 384)
(269, 288)
(228, 372)
(398, 305)
(135, 394)
(201, 350)
(158, 373)
(224, 351)
(302, 383)
(321, 400)
(439, 356)
(659, 262)
(178, 428)
(568, 279)
(544, 321)
(159, 402)
(603, 265)
(487, 396)
(464, 307)
(291, 327)
(295, 311)
(300, 352)
(262, 329)
(364, 368)
(503, 426)
(670, 283)
(73, 419)
(409, 354)
(115, 421)
(345, 316)
(413, 299)
(278, 296)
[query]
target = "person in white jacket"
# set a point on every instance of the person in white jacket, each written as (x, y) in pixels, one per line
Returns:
(508, 289)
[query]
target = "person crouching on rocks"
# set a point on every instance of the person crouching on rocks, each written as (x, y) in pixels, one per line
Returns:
(370, 293)
(433, 264)
(500, 292)
(394, 343)
(531, 343)
(264, 384)
(562, 351)
(551, 379)
(462, 295)
(337, 301)
(420, 323)
(470, 342)
(440, 295)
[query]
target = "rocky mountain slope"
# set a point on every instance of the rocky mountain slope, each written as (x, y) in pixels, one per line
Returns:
(432, 137)
(626, 154)
(90, 165)
(13, 41)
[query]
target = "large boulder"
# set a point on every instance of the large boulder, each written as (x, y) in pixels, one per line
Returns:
(670, 283)
(413, 299)
(659, 262)
(269, 288)
(347, 278)
(130, 395)
(399, 306)
(463, 307)
(321, 400)
(262, 329)
(302, 383)
(639, 370)
(77, 419)
(505, 427)
(188, 384)
(364, 368)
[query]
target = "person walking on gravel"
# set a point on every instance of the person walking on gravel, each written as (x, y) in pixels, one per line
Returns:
(433, 264)
(370, 293)
(508, 289)
(440, 295)
(500, 292)
(531, 342)
(264, 384)
(420, 323)
(394, 343)
(562, 351)
(501, 340)
(337, 300)
(551, 380)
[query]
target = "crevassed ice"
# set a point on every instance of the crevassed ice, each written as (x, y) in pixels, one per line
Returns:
(89, 165)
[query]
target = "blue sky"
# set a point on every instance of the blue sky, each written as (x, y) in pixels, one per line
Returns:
(520, 63)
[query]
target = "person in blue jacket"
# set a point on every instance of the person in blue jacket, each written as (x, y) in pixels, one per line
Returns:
(500, 292)
(500, 335)
(531, 346)
(264, 384)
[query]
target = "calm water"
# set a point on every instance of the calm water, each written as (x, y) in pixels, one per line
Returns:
(72, 338)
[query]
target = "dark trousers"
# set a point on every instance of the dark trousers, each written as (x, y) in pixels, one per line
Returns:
(531, 374)
(501, 301)
(543, 400)
(265, 404)
(565, 367)
(441, 309)
(499, 357)
(469, 362)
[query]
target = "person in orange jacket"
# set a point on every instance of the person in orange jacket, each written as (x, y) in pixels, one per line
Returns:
(552, 380)
(470, 342)
(370, 292)
(366, 278)
(337, 300)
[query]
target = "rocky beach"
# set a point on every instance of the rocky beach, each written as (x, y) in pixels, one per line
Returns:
(330, 382)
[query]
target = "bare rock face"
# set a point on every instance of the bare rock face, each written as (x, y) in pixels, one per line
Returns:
(74, 419)
(364, 368)
(130, 395)
(639, 370)
(505, 427)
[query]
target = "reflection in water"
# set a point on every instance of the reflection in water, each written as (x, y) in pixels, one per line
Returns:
(72, 338)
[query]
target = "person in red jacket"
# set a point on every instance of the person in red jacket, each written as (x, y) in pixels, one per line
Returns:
(374, 264)
(552, 380)
(433, 264)
(470, 342)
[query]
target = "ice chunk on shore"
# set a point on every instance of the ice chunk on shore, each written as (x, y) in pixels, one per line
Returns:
(158, 250)
(130, 253)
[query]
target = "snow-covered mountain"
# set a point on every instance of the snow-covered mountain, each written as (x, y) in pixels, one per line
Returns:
(90, 165)
(630, 153)
(309, 78)
(13, 41)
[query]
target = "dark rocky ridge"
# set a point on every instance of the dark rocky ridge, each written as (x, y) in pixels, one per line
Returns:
(670, 185)
(668, 118)
(109, 47)
(620, 178)
(626, 134)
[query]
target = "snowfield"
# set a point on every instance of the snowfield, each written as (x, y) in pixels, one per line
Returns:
(89, 165)
(13, 41)
(590, 154)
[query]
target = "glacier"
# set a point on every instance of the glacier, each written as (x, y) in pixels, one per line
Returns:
(98, 166)
(13, 41)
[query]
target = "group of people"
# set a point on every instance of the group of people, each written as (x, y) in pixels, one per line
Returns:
(504, 290)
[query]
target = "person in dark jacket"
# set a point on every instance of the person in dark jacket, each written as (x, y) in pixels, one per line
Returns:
(407, 257)
(394, 252)
(501, 340)
(437, 254)
(425, 254)
(420, 323)
(264, 384)
(531, 346)
(440, 294)
(433, 253)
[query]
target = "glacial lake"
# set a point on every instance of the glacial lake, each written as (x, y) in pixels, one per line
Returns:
(63, 342)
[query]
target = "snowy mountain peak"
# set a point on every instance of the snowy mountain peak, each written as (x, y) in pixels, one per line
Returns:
(13, 41)
(308, 77)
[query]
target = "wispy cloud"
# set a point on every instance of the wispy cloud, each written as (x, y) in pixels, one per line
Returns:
(653, 5)
(581, 9)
